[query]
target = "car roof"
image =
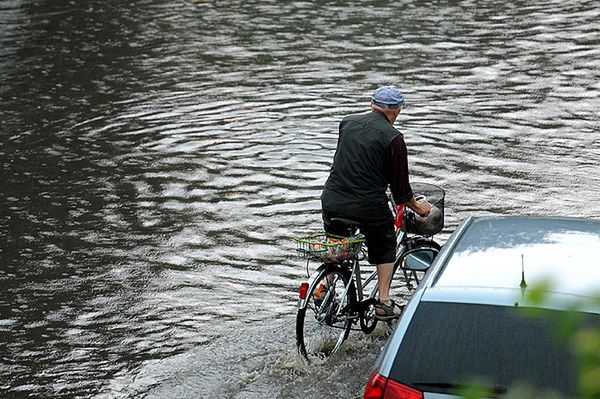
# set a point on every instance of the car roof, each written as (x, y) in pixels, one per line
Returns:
(495, 259)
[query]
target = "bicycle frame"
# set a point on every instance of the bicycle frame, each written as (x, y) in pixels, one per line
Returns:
(403, 240)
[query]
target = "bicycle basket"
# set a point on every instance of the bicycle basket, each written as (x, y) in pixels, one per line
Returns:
(432, 223)
(326, 247)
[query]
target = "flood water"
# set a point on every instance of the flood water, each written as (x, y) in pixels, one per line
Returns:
(157, 157)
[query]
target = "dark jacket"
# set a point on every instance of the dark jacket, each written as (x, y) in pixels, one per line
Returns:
(360, 173)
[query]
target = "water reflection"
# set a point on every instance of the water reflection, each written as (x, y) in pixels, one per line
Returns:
(511, 232)
(157, 157)
(553, 251)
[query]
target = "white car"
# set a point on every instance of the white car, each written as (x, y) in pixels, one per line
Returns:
(465, 322)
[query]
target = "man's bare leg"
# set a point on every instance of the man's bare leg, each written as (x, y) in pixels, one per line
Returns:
(386, 309)
(385, 272)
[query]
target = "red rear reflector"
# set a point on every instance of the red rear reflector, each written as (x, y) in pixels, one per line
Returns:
(303, 289)
(380, 387)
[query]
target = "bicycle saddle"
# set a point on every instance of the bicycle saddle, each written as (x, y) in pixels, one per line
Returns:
(343, 227)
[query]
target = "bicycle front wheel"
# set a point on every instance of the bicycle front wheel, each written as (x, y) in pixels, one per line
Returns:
(412, 278)
(321, 325)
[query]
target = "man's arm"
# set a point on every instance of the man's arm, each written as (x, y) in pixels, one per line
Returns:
(397, 171)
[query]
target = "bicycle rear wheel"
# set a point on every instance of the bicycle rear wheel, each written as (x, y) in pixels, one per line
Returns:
(321, 327)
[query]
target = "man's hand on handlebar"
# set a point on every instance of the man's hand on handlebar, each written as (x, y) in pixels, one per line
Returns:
(420, 205)
(424, 207)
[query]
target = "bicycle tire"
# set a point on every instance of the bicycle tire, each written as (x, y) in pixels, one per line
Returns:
(414, 243)
(422, 242)
(319, 331)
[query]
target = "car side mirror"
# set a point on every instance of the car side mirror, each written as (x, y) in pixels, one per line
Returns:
(419, 259)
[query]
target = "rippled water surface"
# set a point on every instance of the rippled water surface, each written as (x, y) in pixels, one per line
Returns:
(157, 156)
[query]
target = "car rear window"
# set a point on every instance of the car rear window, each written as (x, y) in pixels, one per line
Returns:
(450, 343)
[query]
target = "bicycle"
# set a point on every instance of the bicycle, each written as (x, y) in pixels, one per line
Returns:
(333, 300)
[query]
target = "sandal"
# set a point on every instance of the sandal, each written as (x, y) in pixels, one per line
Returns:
(387, 312)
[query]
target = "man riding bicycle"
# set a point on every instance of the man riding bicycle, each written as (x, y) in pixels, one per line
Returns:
(371, 156)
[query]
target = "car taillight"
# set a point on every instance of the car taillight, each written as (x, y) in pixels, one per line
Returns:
(380, 387)
(395, 390)
(303, 289)
(375, 386)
